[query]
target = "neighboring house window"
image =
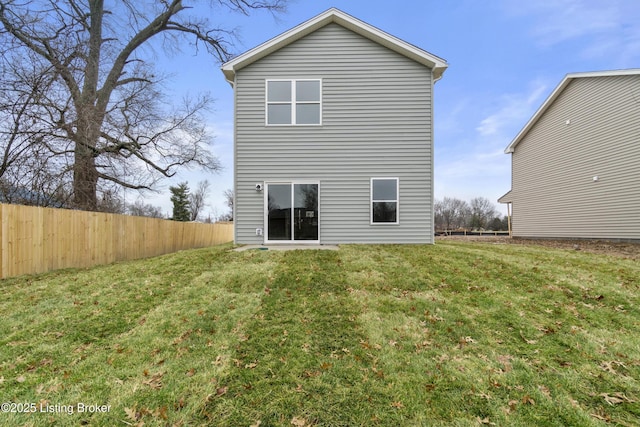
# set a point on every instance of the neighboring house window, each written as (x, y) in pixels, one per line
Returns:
(384, 200)
(294, 102)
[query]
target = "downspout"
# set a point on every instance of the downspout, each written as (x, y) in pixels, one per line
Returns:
(235, 160)
(432, 162)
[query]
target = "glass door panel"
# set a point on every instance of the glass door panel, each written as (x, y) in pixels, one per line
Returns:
(279, 216)
(292, 212)
(305, 212)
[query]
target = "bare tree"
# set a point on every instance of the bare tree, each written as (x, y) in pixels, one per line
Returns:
(87, 100)
(229, 201)
(111, 202)
(482, 212)
(29, 173)
(140, 208)
(197, 200)
(450, 213)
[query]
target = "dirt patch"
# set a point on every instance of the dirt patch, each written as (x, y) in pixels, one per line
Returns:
(618, 249)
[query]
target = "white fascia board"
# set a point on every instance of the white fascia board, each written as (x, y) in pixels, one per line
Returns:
(506, 198)
(438, 65)
(557, 91)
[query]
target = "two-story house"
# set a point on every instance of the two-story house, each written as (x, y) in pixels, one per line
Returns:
(334, 136)
(576, 163)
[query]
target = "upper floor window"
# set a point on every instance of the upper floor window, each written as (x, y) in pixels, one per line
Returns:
(294, 102)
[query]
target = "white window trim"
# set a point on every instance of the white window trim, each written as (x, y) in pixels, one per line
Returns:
(266, 214)
(396, 201)
(293, 103)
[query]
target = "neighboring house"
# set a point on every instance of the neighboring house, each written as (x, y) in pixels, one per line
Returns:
(334, 136)
(576, 163)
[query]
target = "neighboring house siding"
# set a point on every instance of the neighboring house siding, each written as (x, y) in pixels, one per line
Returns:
(376, 122)
(553, 190)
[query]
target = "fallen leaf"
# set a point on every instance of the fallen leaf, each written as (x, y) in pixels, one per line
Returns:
(132, 413)
(600, 417)
(298, 422)
(191, 372)
(250, 365)
(485, 421)
(161, 413)
(155, 382)
(544, 390)
(311, 374)
(397, 405)
(21, 379)
(616, 398)
(526, 340)
(221, 391)
(180, 404)
(528, 400)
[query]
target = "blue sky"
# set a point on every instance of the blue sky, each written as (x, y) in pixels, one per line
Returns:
(505, 57)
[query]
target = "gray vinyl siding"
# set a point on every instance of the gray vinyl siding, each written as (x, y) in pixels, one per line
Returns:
(376, 122)
(553, 191)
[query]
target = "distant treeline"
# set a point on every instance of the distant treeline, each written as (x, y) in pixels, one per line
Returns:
(478, 214)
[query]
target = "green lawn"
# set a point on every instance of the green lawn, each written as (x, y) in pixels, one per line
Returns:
(461, 334)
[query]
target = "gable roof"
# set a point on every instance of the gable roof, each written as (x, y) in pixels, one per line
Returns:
(556, 92)
(337, 16)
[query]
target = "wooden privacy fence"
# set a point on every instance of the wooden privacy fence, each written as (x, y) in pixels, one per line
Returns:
(36, 240)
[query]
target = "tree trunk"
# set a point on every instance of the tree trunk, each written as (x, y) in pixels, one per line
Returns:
(85, 180)
(85, 173)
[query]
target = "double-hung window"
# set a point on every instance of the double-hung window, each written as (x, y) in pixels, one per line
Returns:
(384, 201)
(294, 102)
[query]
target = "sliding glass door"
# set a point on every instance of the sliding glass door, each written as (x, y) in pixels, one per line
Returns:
(292, 212)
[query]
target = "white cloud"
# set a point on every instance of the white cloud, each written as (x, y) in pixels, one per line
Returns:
(567, 19)
(514, 111)
(609, 28)
(479, 167)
